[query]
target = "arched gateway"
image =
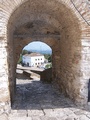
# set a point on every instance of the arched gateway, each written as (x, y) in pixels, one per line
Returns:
(62, 24)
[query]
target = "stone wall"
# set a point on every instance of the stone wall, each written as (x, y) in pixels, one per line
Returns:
(46, 75)
(62, 24)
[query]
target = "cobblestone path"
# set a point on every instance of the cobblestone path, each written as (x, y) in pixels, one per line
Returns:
(40, 101)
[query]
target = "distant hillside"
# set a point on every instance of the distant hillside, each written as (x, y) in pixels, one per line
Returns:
(42, 52)
(38, 46)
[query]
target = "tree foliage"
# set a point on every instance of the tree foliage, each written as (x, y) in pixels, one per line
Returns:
(24, 52)
(48, 57)
(48, 66)
(20, 59)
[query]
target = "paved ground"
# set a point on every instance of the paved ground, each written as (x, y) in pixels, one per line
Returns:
(40, 101)
(19, 67)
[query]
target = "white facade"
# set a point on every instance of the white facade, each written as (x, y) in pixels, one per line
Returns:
(33, 59)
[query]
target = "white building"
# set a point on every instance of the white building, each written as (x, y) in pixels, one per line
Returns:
(33, 59)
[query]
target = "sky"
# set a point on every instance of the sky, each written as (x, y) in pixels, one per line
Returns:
(37, 46)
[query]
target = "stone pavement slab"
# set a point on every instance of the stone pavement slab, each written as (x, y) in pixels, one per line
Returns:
(48, 118)
(20, 118)
(36, 118)
(83, 117)
(35, 112)
(40, 101)
(3, 117)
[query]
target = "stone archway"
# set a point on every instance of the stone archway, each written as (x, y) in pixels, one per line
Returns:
(62, 28)
(29, 23)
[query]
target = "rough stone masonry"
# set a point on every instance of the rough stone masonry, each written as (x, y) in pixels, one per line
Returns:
(62, 24)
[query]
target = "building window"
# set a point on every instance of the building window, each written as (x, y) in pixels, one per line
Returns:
(36, 59)
(35, 63)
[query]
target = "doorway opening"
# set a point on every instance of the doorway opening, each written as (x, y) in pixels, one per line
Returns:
(36, 57)
(33, 67)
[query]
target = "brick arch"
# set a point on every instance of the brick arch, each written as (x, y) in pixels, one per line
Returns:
(83, 9)
(28, 20)
(69, 50)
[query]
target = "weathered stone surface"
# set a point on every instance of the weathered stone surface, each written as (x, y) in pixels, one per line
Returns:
(35, 113)
(48, 118)
(20, 118)
(62, 24)
(43, 102)
(3, 117)
(46, 75)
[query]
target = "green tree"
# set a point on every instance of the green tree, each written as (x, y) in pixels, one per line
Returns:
(48, 57)
(24, 52)
(48, 66)
(20, 59)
